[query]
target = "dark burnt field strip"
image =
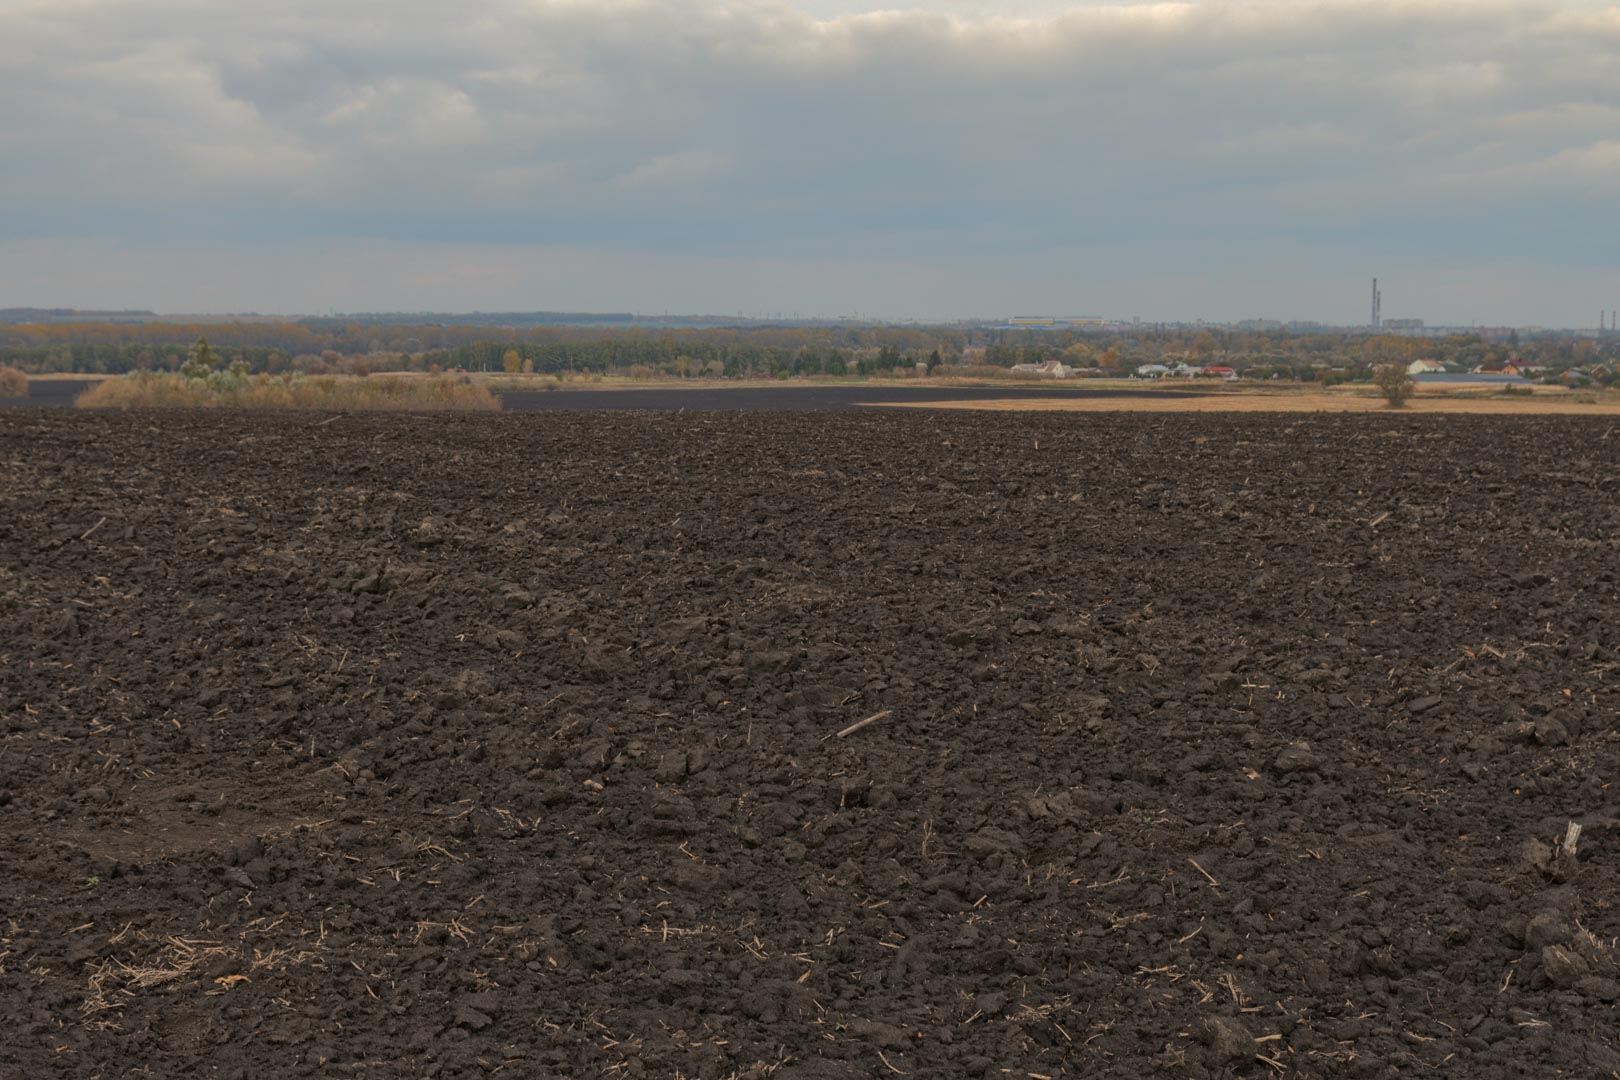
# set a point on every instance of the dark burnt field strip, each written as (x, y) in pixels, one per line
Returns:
(47, 392)
(446, 746)
(811, 398)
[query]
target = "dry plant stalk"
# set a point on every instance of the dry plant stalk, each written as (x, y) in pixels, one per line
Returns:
(857, 725)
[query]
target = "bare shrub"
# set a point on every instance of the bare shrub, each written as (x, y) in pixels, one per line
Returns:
(1394, 383)
(13, 383)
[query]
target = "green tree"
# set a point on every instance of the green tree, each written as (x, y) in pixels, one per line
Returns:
(200, 361)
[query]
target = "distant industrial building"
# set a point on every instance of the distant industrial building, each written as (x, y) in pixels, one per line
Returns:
(1039, 322)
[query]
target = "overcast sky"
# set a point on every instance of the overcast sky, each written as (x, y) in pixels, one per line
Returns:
(1216, 159)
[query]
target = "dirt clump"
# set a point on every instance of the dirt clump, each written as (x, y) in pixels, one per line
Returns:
(1202, 745)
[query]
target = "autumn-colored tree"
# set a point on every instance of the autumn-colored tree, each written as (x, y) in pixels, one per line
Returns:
(1079, 355)
(1204, 343)
(528, 366)
(511, 362)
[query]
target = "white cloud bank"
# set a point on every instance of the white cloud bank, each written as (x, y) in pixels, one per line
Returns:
(935, 161)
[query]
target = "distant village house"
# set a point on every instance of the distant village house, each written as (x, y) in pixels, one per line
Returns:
(1052, 369)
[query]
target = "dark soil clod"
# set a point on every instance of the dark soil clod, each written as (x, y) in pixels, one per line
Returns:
(516, 752)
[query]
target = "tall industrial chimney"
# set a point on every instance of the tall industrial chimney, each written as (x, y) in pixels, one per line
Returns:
(1377, 306)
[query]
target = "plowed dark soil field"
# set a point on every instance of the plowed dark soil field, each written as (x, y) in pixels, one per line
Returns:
(1206, 746)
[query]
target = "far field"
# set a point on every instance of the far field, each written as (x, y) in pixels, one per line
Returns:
(543, 393)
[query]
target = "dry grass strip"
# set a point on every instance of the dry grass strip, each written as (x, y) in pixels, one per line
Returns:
(150, 391)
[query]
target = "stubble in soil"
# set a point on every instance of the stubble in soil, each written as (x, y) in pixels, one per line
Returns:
(1213, 745)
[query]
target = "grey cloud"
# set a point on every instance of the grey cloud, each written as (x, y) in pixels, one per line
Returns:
(1175, 133)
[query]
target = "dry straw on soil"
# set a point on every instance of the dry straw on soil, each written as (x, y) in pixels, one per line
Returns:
(13, 383)
(263, 392)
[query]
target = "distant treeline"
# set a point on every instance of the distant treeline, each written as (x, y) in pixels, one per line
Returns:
(324, 346)
(46, 315)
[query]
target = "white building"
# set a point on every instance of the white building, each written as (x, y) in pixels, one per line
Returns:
(1052, 369)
